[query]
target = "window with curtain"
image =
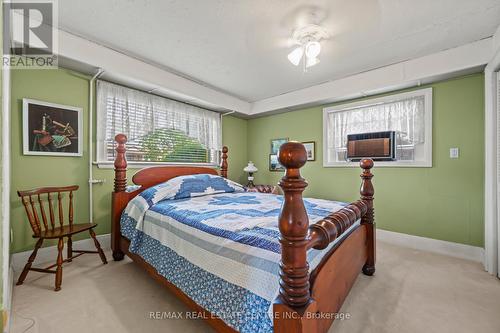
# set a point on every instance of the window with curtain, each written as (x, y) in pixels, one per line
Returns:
(408, 114)
(159, 130)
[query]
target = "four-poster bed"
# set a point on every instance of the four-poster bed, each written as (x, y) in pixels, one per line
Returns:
(308, 298)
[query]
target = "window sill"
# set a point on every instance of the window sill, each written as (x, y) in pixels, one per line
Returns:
(142, 165)
(398, 164)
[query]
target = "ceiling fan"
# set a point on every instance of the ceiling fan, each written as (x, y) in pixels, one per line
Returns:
(307, 40)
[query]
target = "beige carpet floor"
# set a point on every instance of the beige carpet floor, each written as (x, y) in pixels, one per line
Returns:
(411, 291)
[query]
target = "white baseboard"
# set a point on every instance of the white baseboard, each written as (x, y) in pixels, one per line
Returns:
(456, 250)
(46, 254)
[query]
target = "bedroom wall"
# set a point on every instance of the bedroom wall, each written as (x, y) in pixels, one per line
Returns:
(443, 202)
(63, 87)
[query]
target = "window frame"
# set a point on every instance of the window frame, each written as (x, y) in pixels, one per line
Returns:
(426, 162)
(102, 163)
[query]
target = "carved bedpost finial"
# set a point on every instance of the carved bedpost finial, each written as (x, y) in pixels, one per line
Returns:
(223, 164)
(367, 193)
(120, 164)
(293, 226)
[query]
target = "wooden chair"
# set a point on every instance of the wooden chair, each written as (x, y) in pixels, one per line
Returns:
(29, 199)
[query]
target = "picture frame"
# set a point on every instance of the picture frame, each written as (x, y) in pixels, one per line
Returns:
(274, 164)
(51, 129)
(276, 144)
(310, 149)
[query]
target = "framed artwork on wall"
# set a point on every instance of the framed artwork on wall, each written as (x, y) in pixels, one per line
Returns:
(276, 144)
(274, 164)
(52, 129)
(310, 149)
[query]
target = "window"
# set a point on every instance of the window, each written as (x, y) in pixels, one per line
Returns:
(159, 130)
(408, 114)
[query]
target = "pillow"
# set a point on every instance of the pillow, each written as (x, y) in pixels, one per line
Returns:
(189, 186)
(132, 188)
(203, 184)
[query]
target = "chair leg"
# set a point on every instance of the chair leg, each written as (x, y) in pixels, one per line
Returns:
(60, 246)
(70, 249)
(98, 247)
(27, 267)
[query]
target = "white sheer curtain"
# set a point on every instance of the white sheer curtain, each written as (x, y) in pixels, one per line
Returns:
(404, 116)
(138, 114)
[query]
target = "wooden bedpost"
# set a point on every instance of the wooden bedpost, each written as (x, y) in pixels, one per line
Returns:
(293, 226)
(367, 193)
(294, 299)
(119, 198)
(223, 164)
(120, 164)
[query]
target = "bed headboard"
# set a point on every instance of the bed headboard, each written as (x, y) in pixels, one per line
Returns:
(155, 175)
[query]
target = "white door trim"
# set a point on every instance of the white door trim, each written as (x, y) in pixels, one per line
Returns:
(491, 230)
(6, 272)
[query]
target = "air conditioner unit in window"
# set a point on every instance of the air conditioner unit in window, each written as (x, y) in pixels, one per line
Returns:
(379, 146)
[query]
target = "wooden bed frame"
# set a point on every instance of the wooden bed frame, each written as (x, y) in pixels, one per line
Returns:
(308, 302)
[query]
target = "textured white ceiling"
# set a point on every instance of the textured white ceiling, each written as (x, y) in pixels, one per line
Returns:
(240, 47)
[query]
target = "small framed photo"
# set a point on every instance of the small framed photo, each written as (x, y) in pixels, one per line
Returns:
(276, 144)
(310, 149)
(274, 164)
(52, 129)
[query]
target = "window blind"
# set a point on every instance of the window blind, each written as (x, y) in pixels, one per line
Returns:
(158, 129)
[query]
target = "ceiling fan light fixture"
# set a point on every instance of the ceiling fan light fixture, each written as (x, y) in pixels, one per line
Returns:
(308, 38)
(296, 55)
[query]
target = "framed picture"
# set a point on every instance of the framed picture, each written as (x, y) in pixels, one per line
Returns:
(311, 150)
(274, 164)
(276, 144)
(52, 129)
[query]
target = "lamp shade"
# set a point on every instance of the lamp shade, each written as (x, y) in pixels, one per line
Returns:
(250, 168)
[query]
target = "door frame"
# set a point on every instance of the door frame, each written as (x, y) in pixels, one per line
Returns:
(491, 206)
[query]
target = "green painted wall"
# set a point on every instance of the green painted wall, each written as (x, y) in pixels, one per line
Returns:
(56, 86)
(63, 87)
(443, 202)
(234, 136)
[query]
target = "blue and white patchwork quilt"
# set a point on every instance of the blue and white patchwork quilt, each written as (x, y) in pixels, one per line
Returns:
(217, 243)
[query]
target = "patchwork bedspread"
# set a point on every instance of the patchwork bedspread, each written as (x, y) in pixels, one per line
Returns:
(221, 250)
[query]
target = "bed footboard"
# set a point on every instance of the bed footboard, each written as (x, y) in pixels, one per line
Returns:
(309, 303)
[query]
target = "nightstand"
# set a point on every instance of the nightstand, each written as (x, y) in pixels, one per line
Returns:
(273, 189)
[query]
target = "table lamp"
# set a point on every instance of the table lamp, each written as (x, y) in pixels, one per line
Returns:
(251, 169)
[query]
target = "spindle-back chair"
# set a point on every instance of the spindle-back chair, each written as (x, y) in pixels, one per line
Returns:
(36, 200)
